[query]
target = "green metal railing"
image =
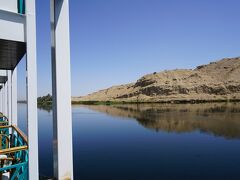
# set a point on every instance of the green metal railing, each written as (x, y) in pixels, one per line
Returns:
(13, 153)
(21, 6)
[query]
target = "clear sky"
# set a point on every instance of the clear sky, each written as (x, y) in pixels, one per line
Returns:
(117, 41)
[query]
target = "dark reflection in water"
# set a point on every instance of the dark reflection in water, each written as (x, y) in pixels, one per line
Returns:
(217, 119)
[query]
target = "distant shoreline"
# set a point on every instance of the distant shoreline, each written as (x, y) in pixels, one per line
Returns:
(146, 102)
(155, 102)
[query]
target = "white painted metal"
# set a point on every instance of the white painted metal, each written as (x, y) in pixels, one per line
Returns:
(5, 103)
(2, 95)
(9, 5)
(5, 99)
(3, 92)
(3, 73)
(9, 96)
(31, 66)
(62, 115)
(2, 103)
(12, 26)
(14, 97)
(1, 100)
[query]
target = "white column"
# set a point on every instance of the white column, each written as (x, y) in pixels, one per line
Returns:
(5, 103)
(31, 66)
(1, 100)
(61, 76)
(14, 97)
(9, 96)
(4, 108)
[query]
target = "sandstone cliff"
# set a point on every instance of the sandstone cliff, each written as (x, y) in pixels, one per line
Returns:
(216, 81)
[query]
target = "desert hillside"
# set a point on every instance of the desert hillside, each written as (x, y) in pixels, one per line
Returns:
(216, 81)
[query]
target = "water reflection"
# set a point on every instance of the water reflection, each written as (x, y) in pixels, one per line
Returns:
(219, 119)
(46, 108)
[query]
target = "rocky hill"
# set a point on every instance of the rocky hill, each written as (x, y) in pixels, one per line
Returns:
(216, 81)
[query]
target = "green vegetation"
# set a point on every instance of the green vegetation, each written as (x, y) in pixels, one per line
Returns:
(45, 102)
(95, 102)
(154, 102)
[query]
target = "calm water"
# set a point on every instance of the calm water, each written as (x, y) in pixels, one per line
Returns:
(148, 142)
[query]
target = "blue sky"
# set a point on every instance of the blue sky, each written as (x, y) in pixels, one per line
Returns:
(117, 41)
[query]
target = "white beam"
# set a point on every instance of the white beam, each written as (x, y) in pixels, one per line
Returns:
(9, 5)
(14, 97)
(61, 76)
(12, 26)
(3, 73)
(31, 66)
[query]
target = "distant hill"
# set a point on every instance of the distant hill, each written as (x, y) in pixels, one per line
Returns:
(217, 81)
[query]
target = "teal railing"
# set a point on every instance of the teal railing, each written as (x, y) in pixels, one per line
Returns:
(13, 153)
(21, 6)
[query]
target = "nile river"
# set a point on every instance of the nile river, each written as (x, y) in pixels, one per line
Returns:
(148, 142)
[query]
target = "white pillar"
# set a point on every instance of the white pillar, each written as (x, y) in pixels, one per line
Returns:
(14, 97)
(5, 103)
(31, 66)
(61, 77)
(1, 100)
(9, 96)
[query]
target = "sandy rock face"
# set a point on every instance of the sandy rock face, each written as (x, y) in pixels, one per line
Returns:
(216, 81)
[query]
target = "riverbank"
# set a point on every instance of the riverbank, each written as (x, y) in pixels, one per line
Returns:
(48, 104)
(155, 102)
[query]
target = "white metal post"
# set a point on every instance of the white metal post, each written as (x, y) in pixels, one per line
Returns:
(1, 100)
(9, 95)
(14, 97)
(31, 66)
(5, 105)
(61, 77)
(2, 103)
